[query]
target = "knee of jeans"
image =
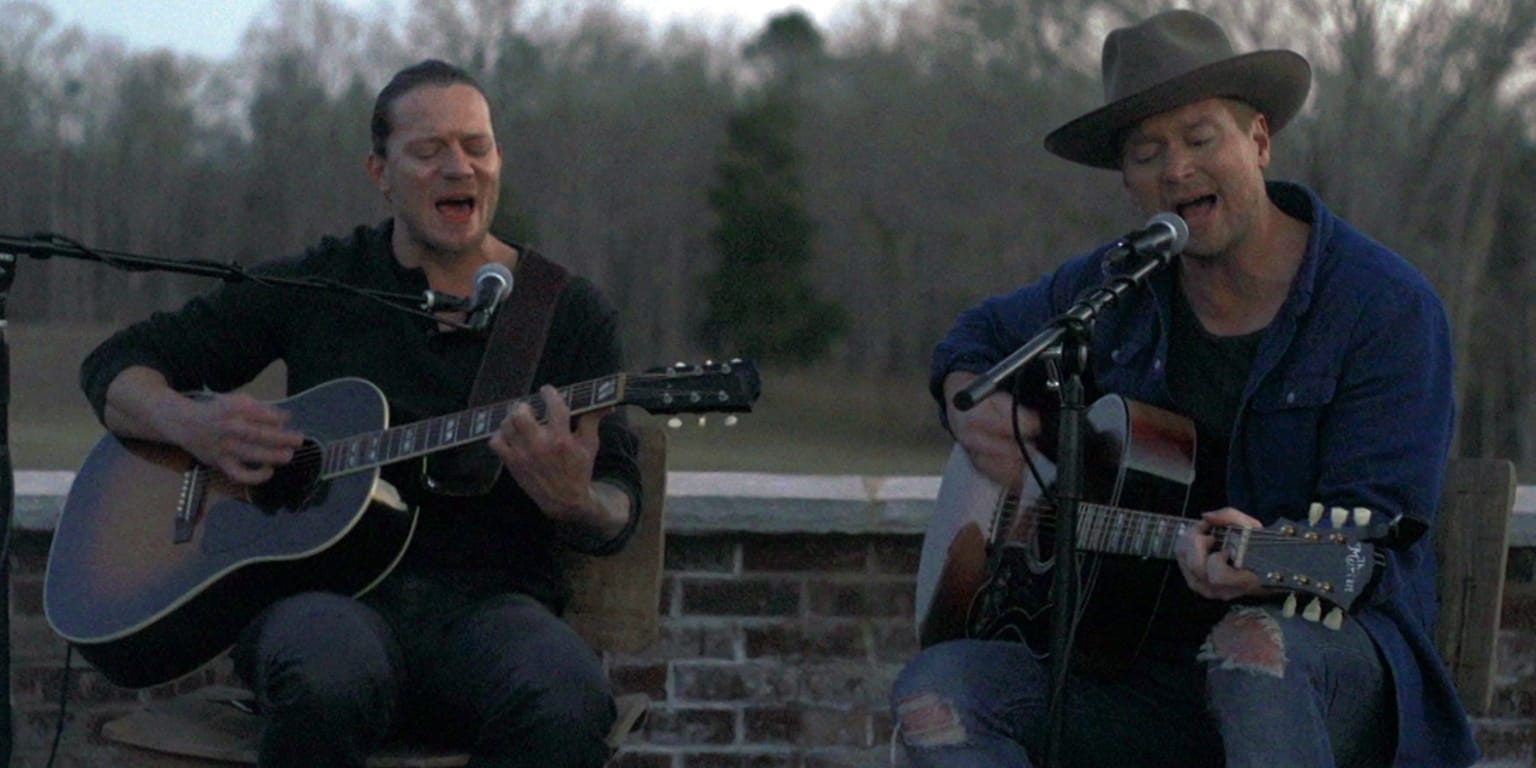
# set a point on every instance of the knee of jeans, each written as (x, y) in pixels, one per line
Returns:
(1247, 639)
(576, 686)
(318, 646)
(923, 701)
(929, 719)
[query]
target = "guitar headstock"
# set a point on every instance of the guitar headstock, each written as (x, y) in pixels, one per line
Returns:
(728, 387)
(1331, 557)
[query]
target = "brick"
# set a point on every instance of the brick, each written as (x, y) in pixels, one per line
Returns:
(1510, 701)
(649, 679)
(746, 682)
(86, 686)
(1505, 742)
(825, 554)
(27, 597)
(893, 640)
(819, 640)
(1520, 567)
(700, 639)
(843, 757)
(894, 598)
(835, 727)
(863, 685)
(1516, 659)
(739, 760)
(667, 601)
(28, 555)
(747, 597)
(710, 554)
(37, 726)
(896, 555)
(881, 726)
(634, 758)
(771, 725)
(34, 642)
(666, 726)
(1519, 609)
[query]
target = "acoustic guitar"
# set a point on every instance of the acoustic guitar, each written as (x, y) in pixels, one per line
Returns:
(158, 561)
(988, 557)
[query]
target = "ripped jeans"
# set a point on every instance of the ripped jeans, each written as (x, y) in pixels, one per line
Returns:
(1267, 691)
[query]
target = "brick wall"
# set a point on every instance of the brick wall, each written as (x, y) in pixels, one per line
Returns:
(778, 640)
(1508, 735)
(774, 651)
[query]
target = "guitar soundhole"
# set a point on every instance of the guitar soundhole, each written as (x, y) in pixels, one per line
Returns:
(293, 485)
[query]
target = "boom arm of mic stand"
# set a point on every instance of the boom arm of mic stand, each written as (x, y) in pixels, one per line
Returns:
(1080, 314)
(45, 246)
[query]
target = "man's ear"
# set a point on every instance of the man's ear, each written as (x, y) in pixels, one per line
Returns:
(375, 166)
(1259, 133)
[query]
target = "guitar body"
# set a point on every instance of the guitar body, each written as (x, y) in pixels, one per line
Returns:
(158, 562)
(147, 597)
(987, 561)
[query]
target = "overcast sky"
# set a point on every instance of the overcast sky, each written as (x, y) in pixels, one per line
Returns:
(212, 28)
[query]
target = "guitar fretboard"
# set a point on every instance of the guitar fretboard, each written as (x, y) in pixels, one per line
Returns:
(1119, 531)
(375, 449)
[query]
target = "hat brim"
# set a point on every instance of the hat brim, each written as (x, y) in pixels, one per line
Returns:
(1275, 82)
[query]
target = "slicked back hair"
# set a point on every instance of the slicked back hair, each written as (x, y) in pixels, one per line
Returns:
(433, 72)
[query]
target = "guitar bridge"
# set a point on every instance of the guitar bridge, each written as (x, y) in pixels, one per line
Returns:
(193, 488)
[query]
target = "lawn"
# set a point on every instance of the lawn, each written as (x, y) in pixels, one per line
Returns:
(814, 422)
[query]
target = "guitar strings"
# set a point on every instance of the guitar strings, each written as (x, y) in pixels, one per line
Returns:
(582, 392)
(1101, 527)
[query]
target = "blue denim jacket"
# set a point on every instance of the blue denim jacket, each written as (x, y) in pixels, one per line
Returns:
(1349, 402)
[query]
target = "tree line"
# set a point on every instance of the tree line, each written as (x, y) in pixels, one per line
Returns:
(915, 181)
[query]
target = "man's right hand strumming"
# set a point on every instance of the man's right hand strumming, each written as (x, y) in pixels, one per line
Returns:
(987, 432)
(242, 437)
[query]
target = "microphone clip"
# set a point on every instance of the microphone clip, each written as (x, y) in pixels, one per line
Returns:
(438, 301)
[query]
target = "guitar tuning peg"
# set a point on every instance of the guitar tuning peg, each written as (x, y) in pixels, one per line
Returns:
(675, 422)
(1290, 605)
(1315, 513)
(703, 421)
(1314, 610)
(1335, 619)
(1339, 516)
(1362, 516)
(730, 421)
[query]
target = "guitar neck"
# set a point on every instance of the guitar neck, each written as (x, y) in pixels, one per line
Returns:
(387, 446)
(1120, 531)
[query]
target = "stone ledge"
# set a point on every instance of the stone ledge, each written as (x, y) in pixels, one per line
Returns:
(725, 502)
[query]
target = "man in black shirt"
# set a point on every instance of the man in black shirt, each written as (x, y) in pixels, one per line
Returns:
(464, 634)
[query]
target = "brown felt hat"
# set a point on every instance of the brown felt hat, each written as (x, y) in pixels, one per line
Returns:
(1168, 61)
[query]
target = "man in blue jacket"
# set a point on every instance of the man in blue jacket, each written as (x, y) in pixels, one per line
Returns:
(1315, 365)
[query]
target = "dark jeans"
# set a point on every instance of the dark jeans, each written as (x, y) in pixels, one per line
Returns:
(978, 703)
(500, 676)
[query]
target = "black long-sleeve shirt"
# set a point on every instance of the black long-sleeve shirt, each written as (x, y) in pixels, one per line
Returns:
(222, 340)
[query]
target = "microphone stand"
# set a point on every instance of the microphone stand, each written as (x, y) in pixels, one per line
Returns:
(7, 507)
(1070, 334)
(45, 246)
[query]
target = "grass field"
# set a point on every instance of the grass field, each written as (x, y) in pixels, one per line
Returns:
(812, 422)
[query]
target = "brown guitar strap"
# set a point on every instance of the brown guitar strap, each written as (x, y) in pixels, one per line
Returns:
(506, 370)
(518, 333)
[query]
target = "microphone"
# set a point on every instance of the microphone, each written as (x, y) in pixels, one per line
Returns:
(492, 283)
(437, 301)
(1165, 234)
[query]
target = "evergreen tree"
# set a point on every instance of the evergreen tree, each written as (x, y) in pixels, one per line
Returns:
(759, 302)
